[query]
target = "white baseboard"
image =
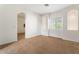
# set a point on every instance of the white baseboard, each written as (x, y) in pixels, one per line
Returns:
(69, 39)
(64, 38)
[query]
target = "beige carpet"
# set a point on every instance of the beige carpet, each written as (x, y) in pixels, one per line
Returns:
(42, 45)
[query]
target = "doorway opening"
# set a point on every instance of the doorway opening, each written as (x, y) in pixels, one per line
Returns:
(21, 26)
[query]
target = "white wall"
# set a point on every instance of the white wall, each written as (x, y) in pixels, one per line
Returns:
(44, 25)
(7, 25)
(1, 23)
(32, 24)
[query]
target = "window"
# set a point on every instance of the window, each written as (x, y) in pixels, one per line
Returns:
(56, 23)
(72, 19)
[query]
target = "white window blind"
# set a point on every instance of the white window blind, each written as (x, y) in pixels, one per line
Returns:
(72, 19)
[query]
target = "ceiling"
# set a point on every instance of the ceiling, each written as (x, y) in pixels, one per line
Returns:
(41, 9)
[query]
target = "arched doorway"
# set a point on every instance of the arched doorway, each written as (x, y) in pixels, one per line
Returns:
(21, 26)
